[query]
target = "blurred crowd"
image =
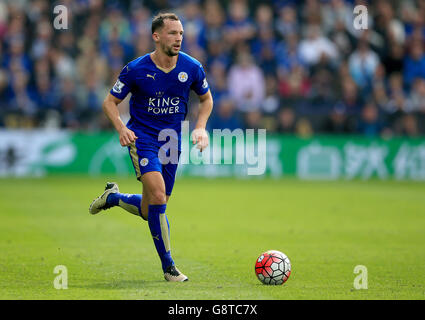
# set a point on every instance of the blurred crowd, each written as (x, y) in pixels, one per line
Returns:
(295, 67)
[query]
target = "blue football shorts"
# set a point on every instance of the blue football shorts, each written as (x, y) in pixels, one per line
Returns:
(144, 154)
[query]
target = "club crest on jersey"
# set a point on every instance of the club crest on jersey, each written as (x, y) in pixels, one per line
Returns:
(183, 76)
(144, 162)
(118, 86)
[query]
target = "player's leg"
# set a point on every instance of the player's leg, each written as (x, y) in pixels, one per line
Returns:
(137, 204)
(155, 189)
(129, 202)
(169, 175)
(144, 159)
(152, 164)
(145, 205)
(111, 197)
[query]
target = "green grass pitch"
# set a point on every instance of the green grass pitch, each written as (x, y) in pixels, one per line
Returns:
(218, 229)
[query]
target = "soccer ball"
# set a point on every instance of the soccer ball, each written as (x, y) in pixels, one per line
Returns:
(273, 268)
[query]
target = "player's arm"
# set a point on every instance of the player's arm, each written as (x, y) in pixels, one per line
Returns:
(110, 107)
(199, 134)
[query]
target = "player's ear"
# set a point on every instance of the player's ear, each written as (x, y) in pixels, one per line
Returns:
(155, 36)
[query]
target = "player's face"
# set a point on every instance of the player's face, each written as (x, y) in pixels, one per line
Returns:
(170, 37)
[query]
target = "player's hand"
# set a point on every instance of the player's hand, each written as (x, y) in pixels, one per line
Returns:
(200, 137)
(127, 137)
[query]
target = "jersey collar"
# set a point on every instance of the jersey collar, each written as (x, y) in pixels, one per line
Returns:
(163, 69)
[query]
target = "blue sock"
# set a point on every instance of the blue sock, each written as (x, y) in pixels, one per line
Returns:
(160, 231)
(130, 202)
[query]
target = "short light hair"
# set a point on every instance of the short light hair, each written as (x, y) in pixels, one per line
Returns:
(158, 20)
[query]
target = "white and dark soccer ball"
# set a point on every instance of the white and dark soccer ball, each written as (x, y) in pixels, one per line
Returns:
(273, 268)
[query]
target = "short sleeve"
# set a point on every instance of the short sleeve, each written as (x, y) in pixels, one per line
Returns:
(123, 84)
(200, 84)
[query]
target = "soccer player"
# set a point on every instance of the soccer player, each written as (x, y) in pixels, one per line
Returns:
(160, 83)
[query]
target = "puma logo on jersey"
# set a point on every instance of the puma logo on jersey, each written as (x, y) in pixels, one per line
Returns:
(156, 237)
(151, 76)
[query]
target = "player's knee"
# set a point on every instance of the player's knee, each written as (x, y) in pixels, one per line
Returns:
(157, 197)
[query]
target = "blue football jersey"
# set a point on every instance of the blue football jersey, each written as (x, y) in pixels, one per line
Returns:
(159, 99)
